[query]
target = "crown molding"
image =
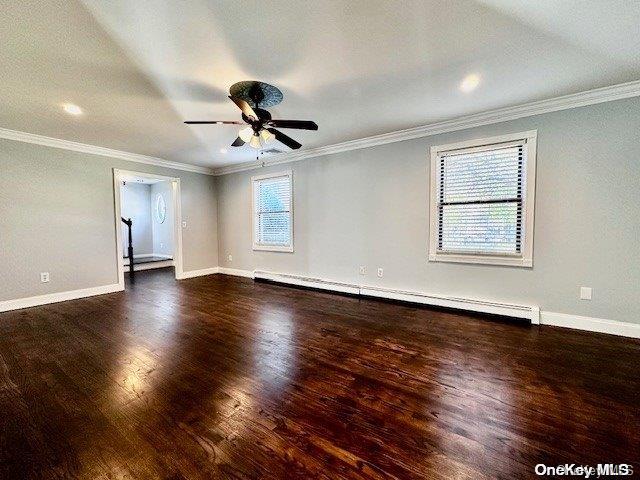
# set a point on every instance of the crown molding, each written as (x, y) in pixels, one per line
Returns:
(565, 102)
(95, 150)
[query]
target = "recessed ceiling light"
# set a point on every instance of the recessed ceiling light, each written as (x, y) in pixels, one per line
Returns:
(72, 109)
(223, 150)
(470, 82)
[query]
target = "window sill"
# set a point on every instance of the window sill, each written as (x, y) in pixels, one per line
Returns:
(273, 248)
(481, 259)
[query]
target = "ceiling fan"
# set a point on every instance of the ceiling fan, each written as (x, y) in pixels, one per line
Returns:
(252, 97)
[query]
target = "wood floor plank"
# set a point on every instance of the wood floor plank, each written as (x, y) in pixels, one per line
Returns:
(223, 377)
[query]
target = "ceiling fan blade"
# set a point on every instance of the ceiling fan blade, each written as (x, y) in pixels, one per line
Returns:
(238, 142)
(245, 107)
(299, 124)
(287, 140)
(214, 122)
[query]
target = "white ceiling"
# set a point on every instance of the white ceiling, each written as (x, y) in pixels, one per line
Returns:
(356, 67)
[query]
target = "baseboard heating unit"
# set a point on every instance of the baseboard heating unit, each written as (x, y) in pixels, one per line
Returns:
(528, 312)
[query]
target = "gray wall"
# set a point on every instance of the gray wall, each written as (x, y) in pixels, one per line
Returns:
(162, 232)
(136, 204)
(56, 215)
(370, 207)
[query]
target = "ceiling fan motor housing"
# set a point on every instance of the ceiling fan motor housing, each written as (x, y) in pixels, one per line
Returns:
(264, 116)
(257, 94)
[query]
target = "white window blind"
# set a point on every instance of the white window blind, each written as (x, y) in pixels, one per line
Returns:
(272, 199)
(481, 202)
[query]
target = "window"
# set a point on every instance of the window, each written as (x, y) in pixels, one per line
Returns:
(273, 212)
(482, 198)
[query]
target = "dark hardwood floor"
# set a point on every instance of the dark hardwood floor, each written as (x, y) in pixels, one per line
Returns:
(221, 377)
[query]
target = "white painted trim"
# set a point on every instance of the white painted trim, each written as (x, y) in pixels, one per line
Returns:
(264, 247)
(528, 140)
(48, 298)
(565, 102)
(178, 259)
(198, 273)
(102, 151)
(177, 218)
(272, 248)
(236, 272)
(487, 143)
(591, 324)
(117, 212)
(503, 260)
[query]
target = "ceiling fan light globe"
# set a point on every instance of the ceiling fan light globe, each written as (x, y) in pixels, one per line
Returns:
(255, 141)
(246, 134)
(266, 135)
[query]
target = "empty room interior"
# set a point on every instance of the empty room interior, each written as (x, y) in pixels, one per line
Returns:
(368, 239)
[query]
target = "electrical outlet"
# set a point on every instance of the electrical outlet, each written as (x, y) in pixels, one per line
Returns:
(230, 258)
(44, 277)
(380, 272)
(184, 224)
(585, 293)
(363, 270)
(161, 245)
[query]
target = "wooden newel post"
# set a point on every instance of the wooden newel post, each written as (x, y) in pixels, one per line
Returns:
(129, 224)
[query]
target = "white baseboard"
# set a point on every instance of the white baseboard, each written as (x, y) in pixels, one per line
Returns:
(591, 324)
(58, 297)
(198, 273)
(235, 272)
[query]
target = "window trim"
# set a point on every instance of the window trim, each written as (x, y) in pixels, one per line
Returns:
(525, 258)
(266, 247)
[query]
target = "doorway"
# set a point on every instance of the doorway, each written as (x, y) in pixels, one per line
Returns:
(148, 219)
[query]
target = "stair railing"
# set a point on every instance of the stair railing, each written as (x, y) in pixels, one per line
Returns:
(129, 224)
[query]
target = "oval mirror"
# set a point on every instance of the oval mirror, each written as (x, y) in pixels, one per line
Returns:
(161, 209)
